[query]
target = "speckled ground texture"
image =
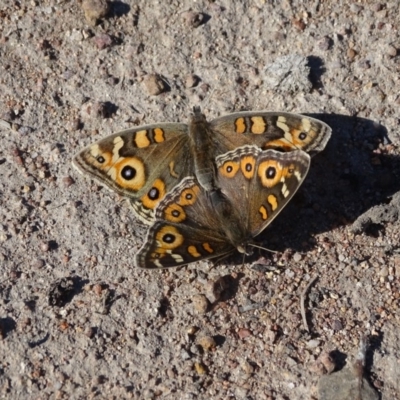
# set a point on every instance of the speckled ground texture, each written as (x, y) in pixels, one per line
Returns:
(77, 321)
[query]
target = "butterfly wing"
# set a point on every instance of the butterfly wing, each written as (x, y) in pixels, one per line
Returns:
(142, 164)
(185, 230)
(259, 184)
(271, 130)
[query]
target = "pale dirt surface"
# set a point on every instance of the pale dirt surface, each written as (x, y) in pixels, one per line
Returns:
(126, 333)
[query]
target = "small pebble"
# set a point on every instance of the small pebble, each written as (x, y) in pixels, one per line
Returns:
(297, 257)
(396, 261)
(38, 263)
(207, 343)
(184, 354)
(215, 288)
(291, 362)
(355, 8)
(313, 343)
(337, 325)
(68, 181)
(325, 43)
(384, 272)
(95, 10)
(63, 325)
(376, 7)
(200, 368)
(192, 330)
(191, 81)
(247, 367)
(171, 373)
(112, 80)
(243, 333)
(365, 64)
(154, 84)
(197, 55)
(89, 332)
(98, 289)
(193, 19)
(44, 246)
(98, 109)
(74, 125)
(102, 41)
(299, 24)
(391, 51)
(200, 303)
(270, 335)
(327, 362)
(351, 53)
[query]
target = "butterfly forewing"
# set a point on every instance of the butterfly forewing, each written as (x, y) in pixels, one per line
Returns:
(141, 164)
(271, 130)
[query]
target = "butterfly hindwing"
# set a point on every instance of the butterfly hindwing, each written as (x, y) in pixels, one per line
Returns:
(185, 230)
(260, 183)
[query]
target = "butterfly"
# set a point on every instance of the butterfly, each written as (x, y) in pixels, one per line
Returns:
(145, 163)
(193, 224)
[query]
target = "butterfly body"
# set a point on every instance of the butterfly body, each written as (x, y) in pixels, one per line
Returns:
(202, 149)
(145, 163)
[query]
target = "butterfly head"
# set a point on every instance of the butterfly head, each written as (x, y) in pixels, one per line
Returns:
(245, 248)
(197, 115)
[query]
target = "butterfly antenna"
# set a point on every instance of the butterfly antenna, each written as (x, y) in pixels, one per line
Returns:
(263, 248)
(185, 102)
(207, 99)
(244, 256)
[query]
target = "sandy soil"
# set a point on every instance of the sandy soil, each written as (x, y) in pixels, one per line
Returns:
(78, 321)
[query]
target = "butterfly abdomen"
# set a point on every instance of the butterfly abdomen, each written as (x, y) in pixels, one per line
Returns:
(202, 149)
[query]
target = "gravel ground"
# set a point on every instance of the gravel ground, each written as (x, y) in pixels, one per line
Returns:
(78, 321)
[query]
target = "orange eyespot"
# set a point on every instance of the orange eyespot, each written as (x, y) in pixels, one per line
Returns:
(174, 213)
(229, 169)
(154, 195)
(189, 196)
(269, 172)
(128, 173)
(102, 159)
(247, 165)
(169, 238)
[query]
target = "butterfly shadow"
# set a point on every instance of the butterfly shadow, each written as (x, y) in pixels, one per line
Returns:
(63, 290)
(352, 175)
(119, 8)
